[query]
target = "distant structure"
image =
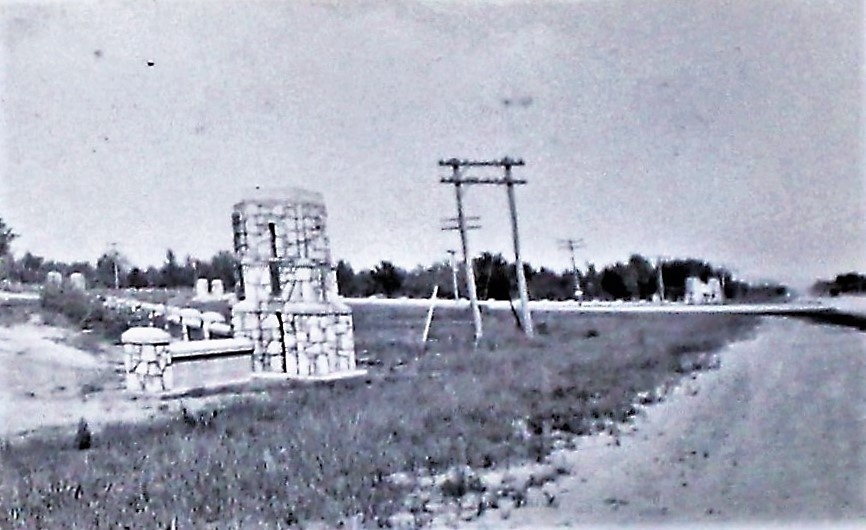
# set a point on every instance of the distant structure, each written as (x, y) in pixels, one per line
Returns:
(287, 286)
(699, 292)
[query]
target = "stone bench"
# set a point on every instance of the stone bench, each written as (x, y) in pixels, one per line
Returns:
(154, 363)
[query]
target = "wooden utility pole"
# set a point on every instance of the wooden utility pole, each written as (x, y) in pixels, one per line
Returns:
(114, 257)
(452, 223)
(571, 245)
(518, 260)
(458, 180)
(453, 261)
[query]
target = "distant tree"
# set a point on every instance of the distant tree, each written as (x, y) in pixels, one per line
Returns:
(171, 273)
(110, 270)
(153, 276)
(420, 281)
(224, 266)
(590, 283)
(613, 283)
(188, 273)
(492, 276)
(850, 282)
(387, 278)
(545, 284)
(6, 238)
(136, 278)
(823, 288)
(365, 285)
(441, 274)
(32, 268)
(646, 278)
(200, 268)
(346, 279)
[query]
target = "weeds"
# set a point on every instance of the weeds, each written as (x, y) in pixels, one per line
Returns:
(329, 451)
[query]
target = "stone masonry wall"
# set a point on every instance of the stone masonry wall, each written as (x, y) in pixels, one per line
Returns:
(290, 307)
(315, 343)
(148, 367)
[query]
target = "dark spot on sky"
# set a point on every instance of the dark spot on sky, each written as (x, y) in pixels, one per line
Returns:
(150, 63)
(97, 54)
(524, 101)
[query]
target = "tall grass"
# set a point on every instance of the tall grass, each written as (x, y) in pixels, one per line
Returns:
(330, 452)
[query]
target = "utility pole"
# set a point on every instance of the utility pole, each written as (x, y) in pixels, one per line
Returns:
(114, 258)
(661, 281)
(518, 260)
(571, 245)
(452, 223)
(453, 262)
(509, 182)
(456, 179)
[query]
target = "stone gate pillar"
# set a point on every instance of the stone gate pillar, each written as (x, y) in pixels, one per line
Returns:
(289, 306)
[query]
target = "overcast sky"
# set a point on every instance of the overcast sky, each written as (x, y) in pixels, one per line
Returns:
(725, 130)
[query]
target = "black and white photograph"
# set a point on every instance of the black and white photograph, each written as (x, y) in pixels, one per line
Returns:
(445, 264)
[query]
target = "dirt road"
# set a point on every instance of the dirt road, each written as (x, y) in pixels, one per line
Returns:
(47, 383)
(777, 434)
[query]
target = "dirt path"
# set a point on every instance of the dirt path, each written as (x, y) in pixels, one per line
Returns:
(777, 434)
(46, 383)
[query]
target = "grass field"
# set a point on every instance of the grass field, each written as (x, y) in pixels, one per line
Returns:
(288, 455)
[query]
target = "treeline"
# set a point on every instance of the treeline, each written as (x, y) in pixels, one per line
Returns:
(112, 269)
(495, 278)
(847, 283)
(636, 279)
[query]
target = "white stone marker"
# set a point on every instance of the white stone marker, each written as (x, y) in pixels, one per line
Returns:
(77, 281)
(216, 288)
(54, 279)
(201, 288)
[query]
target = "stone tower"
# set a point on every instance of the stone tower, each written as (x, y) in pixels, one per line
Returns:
(287, 289)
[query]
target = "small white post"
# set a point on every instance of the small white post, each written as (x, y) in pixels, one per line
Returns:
(430, 314)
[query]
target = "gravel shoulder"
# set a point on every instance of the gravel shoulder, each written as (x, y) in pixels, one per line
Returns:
(776, 435)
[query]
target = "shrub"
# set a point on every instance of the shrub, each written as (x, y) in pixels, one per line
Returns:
(83, 436)
(88, 312)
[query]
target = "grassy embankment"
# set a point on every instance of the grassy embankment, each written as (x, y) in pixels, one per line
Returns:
(325, 452)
